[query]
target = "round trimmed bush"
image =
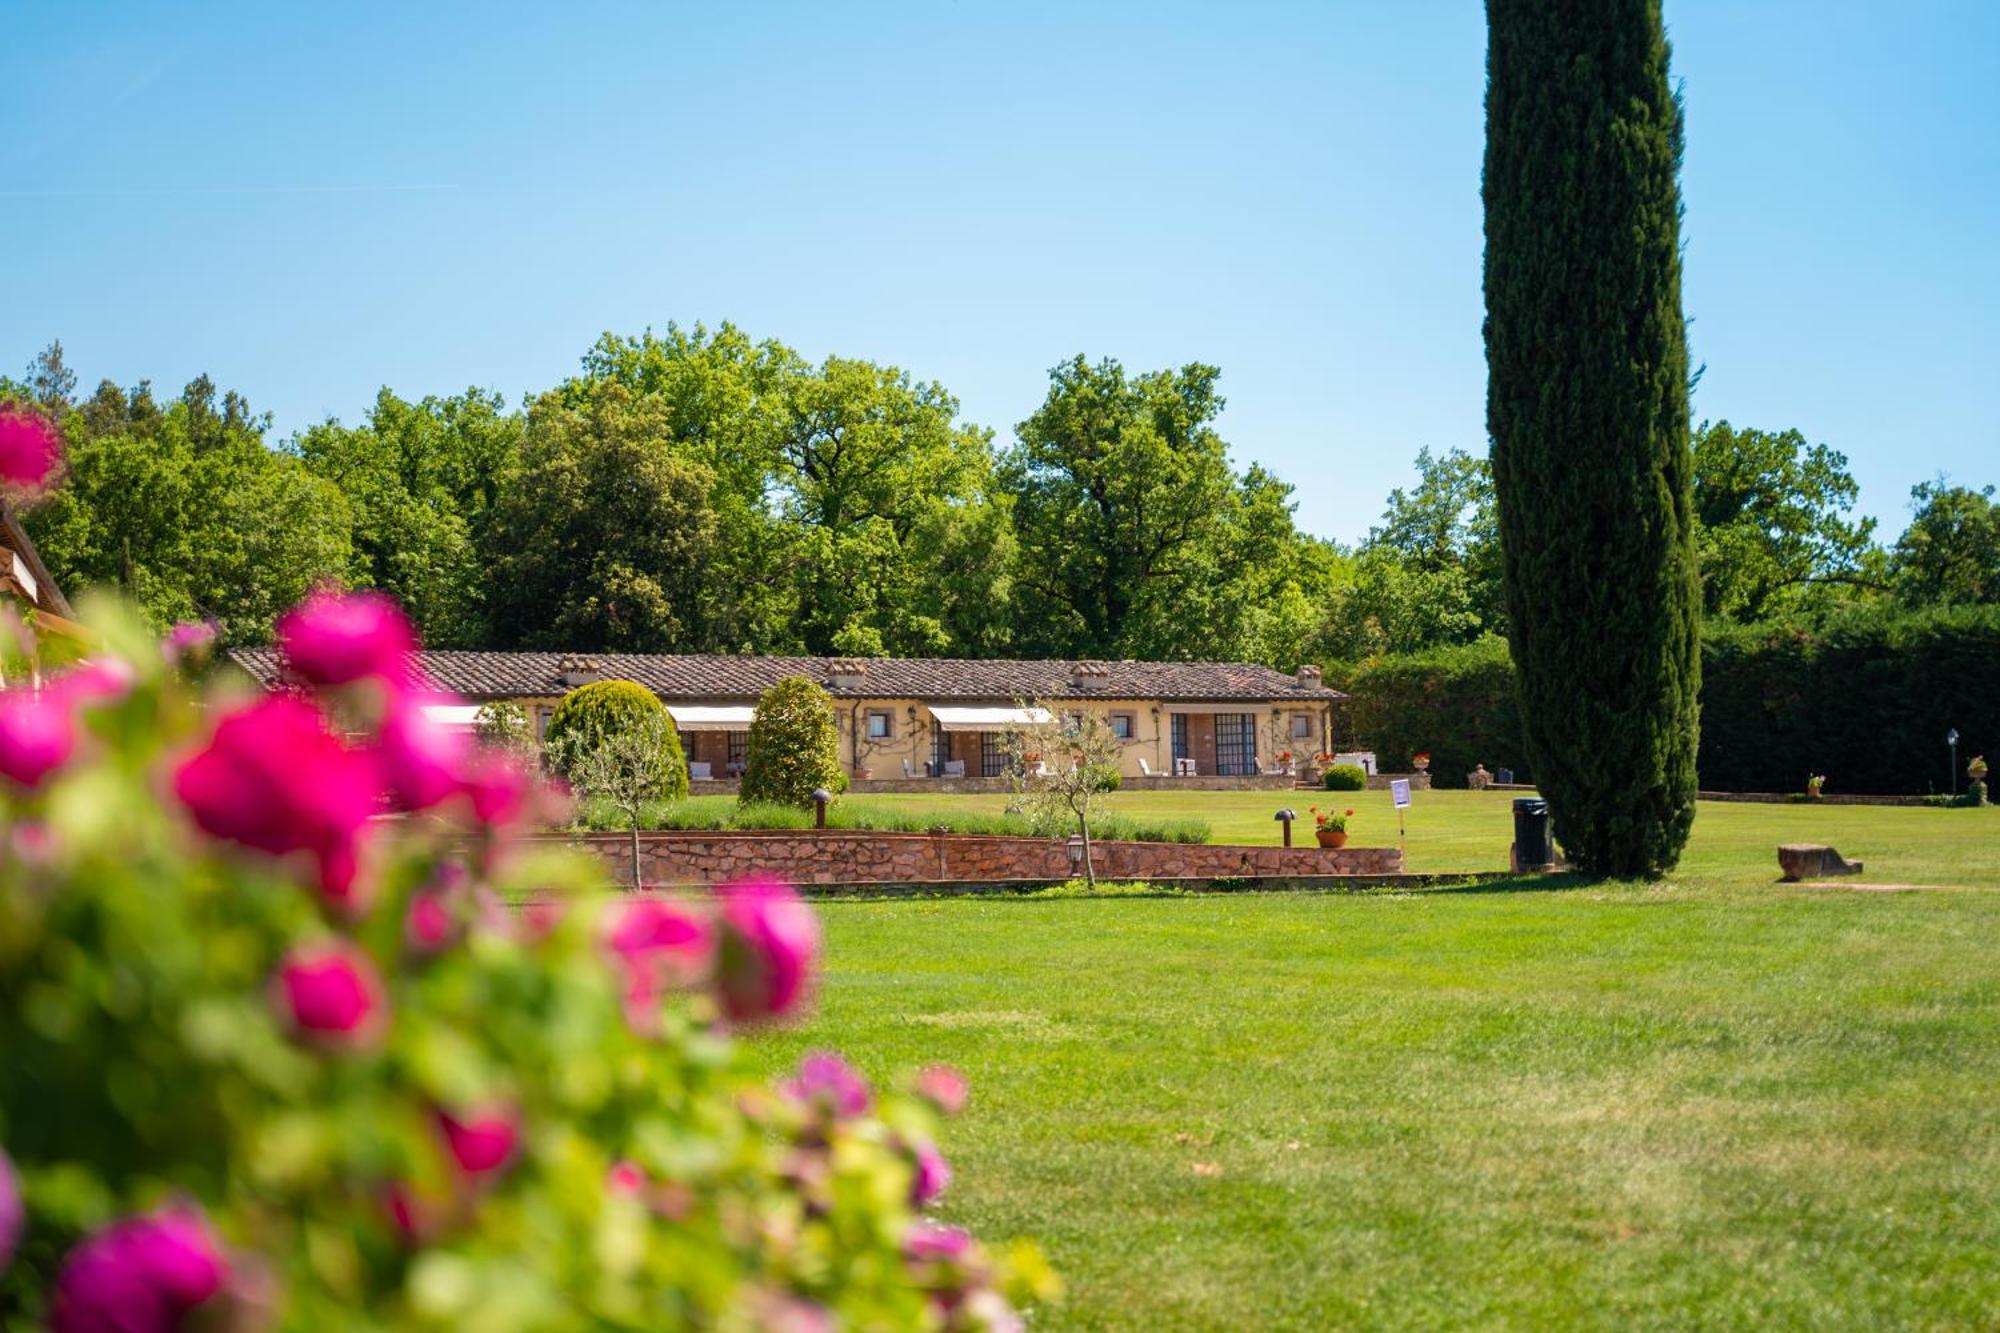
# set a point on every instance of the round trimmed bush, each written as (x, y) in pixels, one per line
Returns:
(591, 713)
(794, 747)
(1344, 777)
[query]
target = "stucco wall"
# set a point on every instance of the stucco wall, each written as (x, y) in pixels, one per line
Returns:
(844, 856)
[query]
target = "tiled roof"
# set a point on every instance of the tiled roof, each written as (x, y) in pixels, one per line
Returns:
(488, 675)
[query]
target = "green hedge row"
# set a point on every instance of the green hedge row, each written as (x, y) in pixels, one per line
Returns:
(1865, 699)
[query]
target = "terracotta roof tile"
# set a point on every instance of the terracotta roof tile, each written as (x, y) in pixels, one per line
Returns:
(495, 675)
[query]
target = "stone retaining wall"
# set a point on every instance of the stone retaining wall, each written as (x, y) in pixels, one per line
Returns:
(861, 856)
(1158, 782)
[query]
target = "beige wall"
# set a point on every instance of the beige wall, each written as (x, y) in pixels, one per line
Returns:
(911, 727)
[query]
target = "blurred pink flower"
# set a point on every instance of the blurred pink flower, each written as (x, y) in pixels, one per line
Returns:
(139, 1275)
(827, 1081)
(330, 993)
(660, 945)
(934, 1242)
(429, 923)
(273, 778)
(933, 1174)
(422, 762)
(30, 448)
(13, 1217)
(99, 680)
(481, 1144)
(625, 1178)
(768, 944)
(944, 1087)
(37, 736)
(497, 786)
(188, 638)
(337, 638)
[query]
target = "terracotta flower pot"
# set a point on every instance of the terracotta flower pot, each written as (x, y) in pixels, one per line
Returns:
(1331, 837)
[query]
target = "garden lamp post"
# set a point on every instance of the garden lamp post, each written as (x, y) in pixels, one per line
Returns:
(820, 797)
(1951, 739)
(1285, 817)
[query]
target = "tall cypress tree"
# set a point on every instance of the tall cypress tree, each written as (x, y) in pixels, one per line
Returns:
(1587, 407)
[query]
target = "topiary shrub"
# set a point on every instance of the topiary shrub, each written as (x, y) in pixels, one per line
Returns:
(1344, 777)
(794, 746)
(502, 724)
(271, 1062)
(589, 715)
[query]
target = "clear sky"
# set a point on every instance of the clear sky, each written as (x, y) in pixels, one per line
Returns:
(308, 201)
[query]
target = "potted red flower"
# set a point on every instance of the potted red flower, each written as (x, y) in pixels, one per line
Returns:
(1330, 828)
(1420, 762)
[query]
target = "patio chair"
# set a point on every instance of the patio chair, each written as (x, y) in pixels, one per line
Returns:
(1184, 768)
(908, 770)
(699, 772)
(1145, 769)
(954, 768)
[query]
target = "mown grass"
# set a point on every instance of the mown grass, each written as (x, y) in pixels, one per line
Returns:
(889, 814)
(1706, 1102)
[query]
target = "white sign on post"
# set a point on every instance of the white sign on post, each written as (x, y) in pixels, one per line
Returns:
(1399, 788)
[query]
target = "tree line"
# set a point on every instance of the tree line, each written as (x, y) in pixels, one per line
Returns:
(699, 490)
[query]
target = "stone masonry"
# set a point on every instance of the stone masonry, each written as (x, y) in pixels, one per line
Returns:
(857, 856)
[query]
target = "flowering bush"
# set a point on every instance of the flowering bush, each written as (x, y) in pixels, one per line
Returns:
(272, 1059)
(1329, 821)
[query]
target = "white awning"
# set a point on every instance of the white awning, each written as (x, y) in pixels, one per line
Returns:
(463, 717)
(711, 717)
(988, 719)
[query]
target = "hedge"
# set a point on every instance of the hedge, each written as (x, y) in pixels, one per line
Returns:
(1864, 698)
(1456, 704)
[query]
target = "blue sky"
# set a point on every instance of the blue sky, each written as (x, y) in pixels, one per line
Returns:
(311, 201)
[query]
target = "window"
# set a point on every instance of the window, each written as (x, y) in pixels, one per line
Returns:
(1123, 725)
(1302, 726)
(544, 714)
(992, 754)
(878, 725)
(1180, 730)
(739, 747)
(1072, 723)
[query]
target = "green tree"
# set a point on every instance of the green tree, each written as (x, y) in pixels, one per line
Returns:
(187, 511)
(1587, 407)
(600, 537)
(1445, 535)
(794, 746)
(1137, 537)
(1773, 514)
(614, 742)
(1950, 553)
(422, 479)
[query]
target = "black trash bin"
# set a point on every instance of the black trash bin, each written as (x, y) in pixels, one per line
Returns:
(1531, 832)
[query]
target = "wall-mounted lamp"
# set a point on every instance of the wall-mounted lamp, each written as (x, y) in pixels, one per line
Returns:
(1075, 852)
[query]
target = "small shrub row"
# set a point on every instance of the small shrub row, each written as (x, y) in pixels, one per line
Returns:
(701, 816)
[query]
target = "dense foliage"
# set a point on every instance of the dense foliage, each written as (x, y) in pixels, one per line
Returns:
(793, 747)
(1587, 407)
(273, 1061)
(1456, 704)
(1865, 700)
(591, 716)
(1344, 777)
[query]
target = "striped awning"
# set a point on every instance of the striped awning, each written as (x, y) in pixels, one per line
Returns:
(711, 717)
(953, 718)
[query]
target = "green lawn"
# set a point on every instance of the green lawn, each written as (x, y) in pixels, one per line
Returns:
(1708, 1102)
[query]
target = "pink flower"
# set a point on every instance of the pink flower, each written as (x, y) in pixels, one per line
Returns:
(933, 1174)
(484, 1143)
(625, 1179)
(768, 944)
(330, 993)
(934, 1242)
(944, 1087)
(335, 638)
(660, 945)
(13, 1217)
(100, 680)
(497, 787)
(421, 761)
(140, 1275)
(273, 778)
(30, 448)
(37, 736)
(413, 1217)
(188, 639)
(428, 924)
(826, 1081)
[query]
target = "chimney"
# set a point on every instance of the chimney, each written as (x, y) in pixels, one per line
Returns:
(1308, 678)
(1089, 677)
(576, 670)
(847, 673)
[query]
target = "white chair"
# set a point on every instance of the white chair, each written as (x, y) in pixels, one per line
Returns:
(1145, 769)
(954, 768)
(908, 771)
(1184, 768)
(700, 772)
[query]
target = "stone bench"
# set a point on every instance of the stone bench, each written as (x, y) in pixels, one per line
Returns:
(1811, 860)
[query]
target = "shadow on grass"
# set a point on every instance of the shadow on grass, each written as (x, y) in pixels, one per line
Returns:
(1554, 883)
